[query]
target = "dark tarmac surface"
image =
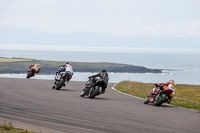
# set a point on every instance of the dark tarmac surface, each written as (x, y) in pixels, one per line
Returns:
(32, 104)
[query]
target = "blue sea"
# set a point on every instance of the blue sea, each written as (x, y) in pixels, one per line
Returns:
(183, 67)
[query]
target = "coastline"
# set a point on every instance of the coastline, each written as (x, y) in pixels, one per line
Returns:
(20, 65)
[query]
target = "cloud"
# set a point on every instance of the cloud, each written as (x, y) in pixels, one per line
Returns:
(110, 19)
(127, 27)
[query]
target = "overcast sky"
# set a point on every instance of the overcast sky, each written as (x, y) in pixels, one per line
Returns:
(110, 19)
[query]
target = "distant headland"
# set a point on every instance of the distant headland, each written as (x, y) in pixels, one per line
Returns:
(21, 65)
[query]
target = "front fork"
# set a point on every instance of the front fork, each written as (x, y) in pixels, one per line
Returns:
(157, 96)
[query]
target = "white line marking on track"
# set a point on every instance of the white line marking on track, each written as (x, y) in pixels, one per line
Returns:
(113, 87)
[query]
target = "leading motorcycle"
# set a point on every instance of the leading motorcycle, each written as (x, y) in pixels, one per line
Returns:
(159, 95)
(30, 72)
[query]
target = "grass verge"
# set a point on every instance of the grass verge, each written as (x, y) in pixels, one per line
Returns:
(8, 128)
(187, 96)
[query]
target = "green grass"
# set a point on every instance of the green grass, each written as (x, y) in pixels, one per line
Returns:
(8, 128)
(187, 96)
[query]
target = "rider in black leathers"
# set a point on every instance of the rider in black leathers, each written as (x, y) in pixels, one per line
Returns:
(103, 80)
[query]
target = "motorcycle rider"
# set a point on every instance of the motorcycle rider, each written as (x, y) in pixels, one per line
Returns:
(103, 80)
(35, 67)
(68, 70)
(171, 85)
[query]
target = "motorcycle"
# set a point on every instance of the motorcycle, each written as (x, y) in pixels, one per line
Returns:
(92, 88)
(30, 72)
(159, 95)
(60, 80)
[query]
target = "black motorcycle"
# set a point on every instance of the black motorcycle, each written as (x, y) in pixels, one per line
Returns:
(60, 79)
(92, 88)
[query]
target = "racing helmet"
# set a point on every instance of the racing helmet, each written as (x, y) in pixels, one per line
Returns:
(104, 70)
(38, 65)
(171, 81)
(67, 63)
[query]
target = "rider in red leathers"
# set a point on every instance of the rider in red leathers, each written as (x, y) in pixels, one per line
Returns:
(169, 85)
(35, 68)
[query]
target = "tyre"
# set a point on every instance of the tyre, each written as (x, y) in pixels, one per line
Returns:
(94, 93)
(29, 74)
(146, 100)
(161, 99)
(60, 84)
(82, 93)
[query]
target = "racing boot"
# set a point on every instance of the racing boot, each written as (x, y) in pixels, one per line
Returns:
(102, 91)
(170, 98)
(168, 101)
(64, 85)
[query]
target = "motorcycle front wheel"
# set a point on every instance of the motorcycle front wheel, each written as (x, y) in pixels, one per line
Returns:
(82, 93)
(146, 100)
(94, 93)
(29, 74)
(162, 98)
(60, 84)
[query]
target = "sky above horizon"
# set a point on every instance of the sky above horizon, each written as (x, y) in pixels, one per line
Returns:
(107, 19)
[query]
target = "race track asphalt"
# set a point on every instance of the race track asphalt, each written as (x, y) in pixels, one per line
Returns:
(32, 104)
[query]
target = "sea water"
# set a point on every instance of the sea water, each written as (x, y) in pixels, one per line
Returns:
(184, 68)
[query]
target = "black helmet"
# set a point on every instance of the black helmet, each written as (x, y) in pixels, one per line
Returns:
(104, 70)
(67, 62)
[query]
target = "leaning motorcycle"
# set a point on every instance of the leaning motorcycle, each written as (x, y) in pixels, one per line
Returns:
(159, 95)
(92, 88)
(30, 72)
(60, 79)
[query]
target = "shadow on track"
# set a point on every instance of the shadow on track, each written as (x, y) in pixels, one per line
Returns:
(96, 98)
(64, 90)
(163, 105)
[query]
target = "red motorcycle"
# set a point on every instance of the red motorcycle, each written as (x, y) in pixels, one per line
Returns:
(32, 70)
(159, 95)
